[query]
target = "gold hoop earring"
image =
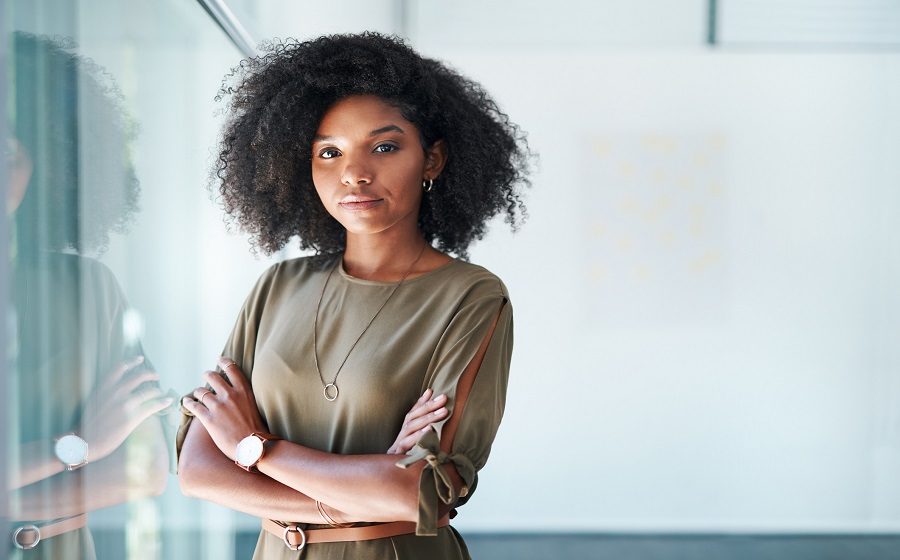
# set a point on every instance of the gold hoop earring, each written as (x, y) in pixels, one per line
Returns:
(427, 185)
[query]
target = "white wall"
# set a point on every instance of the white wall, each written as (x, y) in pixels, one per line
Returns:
(706, 295)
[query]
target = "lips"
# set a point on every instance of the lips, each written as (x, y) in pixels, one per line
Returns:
(357, 203)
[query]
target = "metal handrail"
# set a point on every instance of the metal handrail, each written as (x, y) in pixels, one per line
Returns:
(231, 25)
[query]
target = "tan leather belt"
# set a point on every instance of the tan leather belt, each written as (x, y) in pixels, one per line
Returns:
(28, 536)
(296, 537)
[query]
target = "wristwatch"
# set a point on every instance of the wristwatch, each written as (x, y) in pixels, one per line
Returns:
(251, 449)
(72, 451)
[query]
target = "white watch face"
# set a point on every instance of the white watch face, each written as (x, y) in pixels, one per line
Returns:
(71, 450)
(249, 451)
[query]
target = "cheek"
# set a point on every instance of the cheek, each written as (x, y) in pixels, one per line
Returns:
(321, 180)
(412, 196)
(415, 191)
(317, 176)
(411, 176)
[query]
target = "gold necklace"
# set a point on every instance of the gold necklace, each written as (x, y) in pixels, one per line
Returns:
(331, 389)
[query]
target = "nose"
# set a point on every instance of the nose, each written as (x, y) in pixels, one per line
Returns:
(356, 173)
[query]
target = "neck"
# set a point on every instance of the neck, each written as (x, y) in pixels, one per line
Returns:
(374, 259)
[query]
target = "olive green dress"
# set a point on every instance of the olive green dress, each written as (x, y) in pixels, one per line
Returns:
(424, 337)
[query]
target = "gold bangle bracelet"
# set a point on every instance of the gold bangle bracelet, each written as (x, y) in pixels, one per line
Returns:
(328, 519)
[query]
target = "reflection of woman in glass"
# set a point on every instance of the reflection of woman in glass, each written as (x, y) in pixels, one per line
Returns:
(379, 160)
(81, 387)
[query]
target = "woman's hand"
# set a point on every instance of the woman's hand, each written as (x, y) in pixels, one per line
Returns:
(418, 421)
(229, 411)
(118, 405)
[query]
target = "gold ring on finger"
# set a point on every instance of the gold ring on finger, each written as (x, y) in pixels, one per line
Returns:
(228, 365)
(208, 392)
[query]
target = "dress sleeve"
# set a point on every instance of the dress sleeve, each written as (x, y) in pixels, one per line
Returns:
(480, 417)
(241, 345)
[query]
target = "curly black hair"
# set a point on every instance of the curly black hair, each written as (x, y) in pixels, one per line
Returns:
(70, 119)
(264, 167)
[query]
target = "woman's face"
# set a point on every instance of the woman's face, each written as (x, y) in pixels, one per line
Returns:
(368, 166)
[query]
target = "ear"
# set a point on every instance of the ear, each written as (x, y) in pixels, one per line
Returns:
(435, 159)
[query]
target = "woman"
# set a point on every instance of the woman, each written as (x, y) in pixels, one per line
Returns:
(382, 162)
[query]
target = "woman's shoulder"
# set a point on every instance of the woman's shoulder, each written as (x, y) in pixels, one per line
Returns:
(298, 268)
(288, 276)
(472, 279)
(77, 273)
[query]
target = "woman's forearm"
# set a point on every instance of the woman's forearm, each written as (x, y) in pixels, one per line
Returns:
(36, 462)
(353, 487)
(367, 487)
(113, 480)
(205, 473)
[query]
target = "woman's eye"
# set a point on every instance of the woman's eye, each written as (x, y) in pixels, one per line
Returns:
(329, 153)
(384, 148)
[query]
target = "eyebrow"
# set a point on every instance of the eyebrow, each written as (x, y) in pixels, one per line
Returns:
(388, 128)
(376, 132)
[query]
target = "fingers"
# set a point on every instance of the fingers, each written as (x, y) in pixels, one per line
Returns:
(216, 382)
(118, 385)
(134, 381)
(418, 421)
(424, 398)
(118, 371)
(143, 402)
(198, 406)
(152, 404)
(194, 407)
(424, 405)
(403, 445)
(129, 364)
(151, 393)
(424, 413)
(201, 392)
(425, 420)
(234, 373)
(145, 394)
(220, 388)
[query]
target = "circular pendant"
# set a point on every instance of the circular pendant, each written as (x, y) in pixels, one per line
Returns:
(331, 392)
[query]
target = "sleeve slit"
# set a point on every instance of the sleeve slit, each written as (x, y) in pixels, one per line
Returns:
(466, 381)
